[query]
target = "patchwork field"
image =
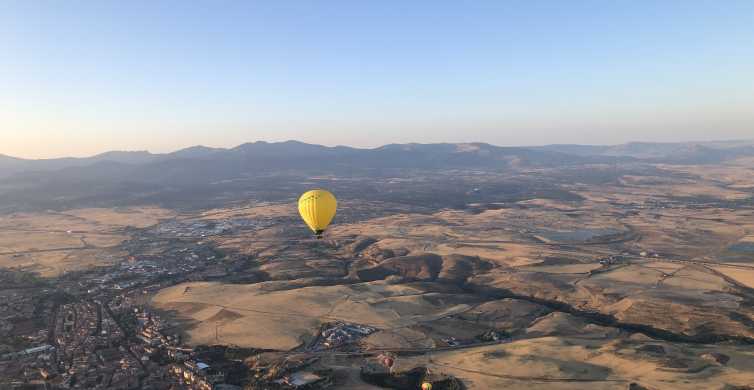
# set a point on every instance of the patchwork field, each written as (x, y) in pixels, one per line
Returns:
(52, 243)
(569, 281)
(253, 316)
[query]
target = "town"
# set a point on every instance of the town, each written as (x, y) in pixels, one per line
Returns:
(92, 330)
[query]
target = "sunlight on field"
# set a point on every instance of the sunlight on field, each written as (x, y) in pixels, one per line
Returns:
(567, 363)
(52, 243)
(743, 276)
(134, 217)
(247, 315)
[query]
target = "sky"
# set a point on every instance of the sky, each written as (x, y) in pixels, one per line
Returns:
(82, 77)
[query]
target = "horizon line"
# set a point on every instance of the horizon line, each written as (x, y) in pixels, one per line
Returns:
(369, 148)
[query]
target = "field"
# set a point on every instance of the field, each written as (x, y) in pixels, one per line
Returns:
(51, 243)
(659, 254)
(252, 316)
(583, 363)
(563, 281)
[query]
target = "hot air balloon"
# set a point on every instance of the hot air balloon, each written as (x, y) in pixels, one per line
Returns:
(387, 360)
(317, 209)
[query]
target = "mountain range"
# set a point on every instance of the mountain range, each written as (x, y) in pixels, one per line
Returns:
(294, 154)
(198, 172)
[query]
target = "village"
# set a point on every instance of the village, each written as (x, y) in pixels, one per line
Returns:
(96, 332)
(92, 331)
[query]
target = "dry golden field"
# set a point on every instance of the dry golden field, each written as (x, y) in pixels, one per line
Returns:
(51, 243)
(634, 252)
(647, 279)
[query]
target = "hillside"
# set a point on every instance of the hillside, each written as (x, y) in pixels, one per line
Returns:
(198, 176)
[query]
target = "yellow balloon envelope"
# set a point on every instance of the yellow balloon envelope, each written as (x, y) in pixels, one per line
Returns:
(317, 209)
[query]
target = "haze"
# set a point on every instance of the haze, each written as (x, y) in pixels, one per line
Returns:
(81, 78)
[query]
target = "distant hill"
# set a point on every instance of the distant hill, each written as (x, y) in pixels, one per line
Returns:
(278, 169)
(678, 152)
(197, 174)
(12, 165)
(294, 154)
(195, 152)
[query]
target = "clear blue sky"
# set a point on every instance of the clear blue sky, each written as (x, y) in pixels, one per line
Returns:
(81, 77)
